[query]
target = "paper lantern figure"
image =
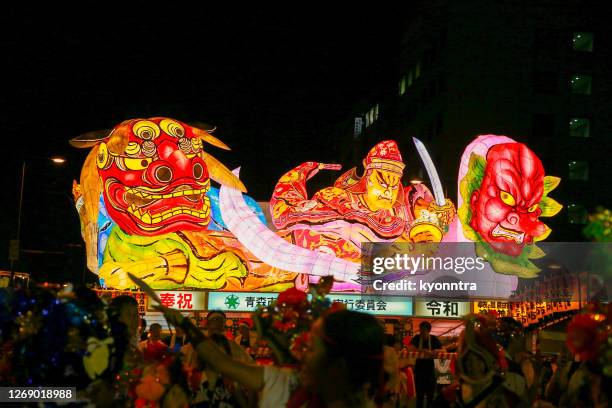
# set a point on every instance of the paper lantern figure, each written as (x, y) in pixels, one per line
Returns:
(274, 250)
(372, 207)
(145, 207)
(503, 192)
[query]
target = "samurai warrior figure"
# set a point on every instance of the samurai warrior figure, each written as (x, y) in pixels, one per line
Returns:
(488, 374)
(373, 207)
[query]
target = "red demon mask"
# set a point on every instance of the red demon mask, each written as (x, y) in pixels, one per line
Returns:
(158, 182)
(505, 208)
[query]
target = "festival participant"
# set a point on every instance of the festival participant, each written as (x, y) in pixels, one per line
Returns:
(343, 365)
(217, 390)
(215, 328)
(143, 329)
(396, 387)
(126, 309)
(523, 367)
(585, 380)
(176, 341)
(124, 321)
(246, 337)
(443, 369)
(373, 207)
(154, 338)
(424, 370)
(406, 366)
(487, 377)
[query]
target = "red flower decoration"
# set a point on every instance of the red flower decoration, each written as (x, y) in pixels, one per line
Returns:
(583, 338)
(335, 307)
(168, 360)
(143, 403)
(299, 345)
(149, 389)
(283, 326)
(292, 297)
(155, 350)
(195, 380)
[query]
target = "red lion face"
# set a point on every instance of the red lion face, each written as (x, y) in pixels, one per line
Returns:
(505, 208)
(154, 178)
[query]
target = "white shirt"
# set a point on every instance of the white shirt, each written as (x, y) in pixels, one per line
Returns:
(279, 383)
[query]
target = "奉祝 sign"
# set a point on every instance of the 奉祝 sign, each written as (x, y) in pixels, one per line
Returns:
(181, 300)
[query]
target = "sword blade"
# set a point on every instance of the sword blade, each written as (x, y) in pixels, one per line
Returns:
(436, 186)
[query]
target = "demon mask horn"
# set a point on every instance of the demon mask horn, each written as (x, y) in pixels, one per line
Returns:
(116, 138)
(216, 169)
(90, 139)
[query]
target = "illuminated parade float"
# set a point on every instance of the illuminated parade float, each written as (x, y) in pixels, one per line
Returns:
(147, 207)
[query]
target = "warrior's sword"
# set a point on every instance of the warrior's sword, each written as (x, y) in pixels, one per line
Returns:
(436, 186)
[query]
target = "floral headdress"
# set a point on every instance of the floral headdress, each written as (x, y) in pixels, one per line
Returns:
(286, 323)
(69, 338)
(589, 337)
(54, 338)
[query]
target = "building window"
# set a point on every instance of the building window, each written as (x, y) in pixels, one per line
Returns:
(580, 127)
(402, 85)
(578, 170)
(358, 126)
(545, 82)
(581, 84)
(583, 42)
(576, 214)
(372, 115)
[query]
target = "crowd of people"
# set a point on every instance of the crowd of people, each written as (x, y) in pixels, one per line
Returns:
(343, 359)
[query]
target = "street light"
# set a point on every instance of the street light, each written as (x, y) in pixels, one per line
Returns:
(15, 244)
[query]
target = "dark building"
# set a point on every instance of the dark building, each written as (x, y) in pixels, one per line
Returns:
(538, 72)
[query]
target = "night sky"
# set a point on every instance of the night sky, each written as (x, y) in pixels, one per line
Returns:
(278, 83)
